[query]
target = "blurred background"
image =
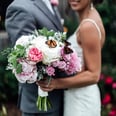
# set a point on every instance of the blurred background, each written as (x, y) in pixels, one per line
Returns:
(107, 83)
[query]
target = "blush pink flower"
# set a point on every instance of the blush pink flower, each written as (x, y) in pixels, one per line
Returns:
(35, 55)
(75, 60)
(73, 64)
(50, 71)
(65, 57)
(55, 63)
(28, 74)
(72, 61)
(62, 65)
(54, 2)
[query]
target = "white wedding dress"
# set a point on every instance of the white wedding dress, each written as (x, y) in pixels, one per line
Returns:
(84, 101)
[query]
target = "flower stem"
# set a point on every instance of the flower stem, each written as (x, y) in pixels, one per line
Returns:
(43, 103)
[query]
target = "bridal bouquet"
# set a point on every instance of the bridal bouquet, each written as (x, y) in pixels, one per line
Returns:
(37, 56)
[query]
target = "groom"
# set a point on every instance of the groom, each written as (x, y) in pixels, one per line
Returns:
(22, 18)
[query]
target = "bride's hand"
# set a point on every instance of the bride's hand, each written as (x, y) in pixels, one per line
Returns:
(45, 86)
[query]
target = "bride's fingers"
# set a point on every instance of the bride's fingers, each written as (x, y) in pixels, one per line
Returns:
(42, 83)
(46, 88)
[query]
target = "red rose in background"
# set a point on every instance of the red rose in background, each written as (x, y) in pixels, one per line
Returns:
(109, 80)
(112, 112)
(106, 99)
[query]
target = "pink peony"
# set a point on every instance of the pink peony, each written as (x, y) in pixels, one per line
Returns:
(75, 60)
(35, 55)
(72, 61)
(55, 63)
(28, 74)
(50, 71)
(73, 64)
(65, 57)
(62, 65)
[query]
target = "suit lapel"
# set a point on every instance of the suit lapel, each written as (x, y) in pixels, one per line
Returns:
(57, 13)
(47, 12)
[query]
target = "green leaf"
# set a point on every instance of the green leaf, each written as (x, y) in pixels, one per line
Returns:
(22, 52)
(46, 32)
(19, 46)
(50, 33)
(64, 36)
(12, 59)
(19, 68)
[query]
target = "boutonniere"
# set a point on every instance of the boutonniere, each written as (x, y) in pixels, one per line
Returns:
(54, 2)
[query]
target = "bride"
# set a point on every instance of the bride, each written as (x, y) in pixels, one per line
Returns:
(82, 95)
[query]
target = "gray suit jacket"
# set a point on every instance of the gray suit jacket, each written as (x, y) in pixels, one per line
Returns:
(22, 18)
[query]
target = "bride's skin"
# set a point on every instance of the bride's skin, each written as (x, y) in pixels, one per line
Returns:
(91, 43)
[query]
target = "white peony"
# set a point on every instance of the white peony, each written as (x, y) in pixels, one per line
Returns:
(39, 42)
(49, 54)
(24, 40)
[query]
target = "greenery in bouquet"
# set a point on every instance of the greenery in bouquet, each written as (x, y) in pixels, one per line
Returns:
(107, 86)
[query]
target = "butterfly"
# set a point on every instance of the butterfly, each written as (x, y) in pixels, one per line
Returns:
(67, 49)
(51, 43)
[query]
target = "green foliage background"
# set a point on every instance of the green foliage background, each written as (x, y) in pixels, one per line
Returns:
(8, 83)
(108, 14)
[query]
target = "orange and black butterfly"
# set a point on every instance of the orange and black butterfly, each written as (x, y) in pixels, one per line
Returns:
(67, 43)
(51, 43)
(67, 49)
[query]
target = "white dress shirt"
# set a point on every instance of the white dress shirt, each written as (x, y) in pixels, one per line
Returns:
(48, 4)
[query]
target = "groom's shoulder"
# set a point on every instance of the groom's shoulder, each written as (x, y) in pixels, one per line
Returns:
(21, 4)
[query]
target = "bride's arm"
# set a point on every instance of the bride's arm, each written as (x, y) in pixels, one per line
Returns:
(91, 45)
